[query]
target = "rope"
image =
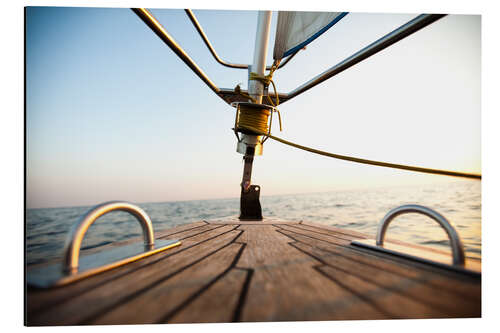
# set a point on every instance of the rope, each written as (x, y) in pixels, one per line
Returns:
(268, 79)
(255, 122)
(254, 118)
(250, 117)
(370, 162)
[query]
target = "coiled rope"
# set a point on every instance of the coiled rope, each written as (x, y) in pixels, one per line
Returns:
(370, 162)
(250, 117)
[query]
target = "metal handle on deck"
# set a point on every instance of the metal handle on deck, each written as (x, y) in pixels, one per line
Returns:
(74, 240)
(456, 244)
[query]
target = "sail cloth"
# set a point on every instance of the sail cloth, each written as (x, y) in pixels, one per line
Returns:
(297, 29)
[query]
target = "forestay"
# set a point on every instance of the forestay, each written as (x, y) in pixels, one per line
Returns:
(297, 29)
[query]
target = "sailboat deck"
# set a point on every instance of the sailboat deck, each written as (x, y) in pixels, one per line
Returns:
(228, 271)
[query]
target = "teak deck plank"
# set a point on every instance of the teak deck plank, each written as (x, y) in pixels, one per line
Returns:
(104, 297)
(395, 305)
(259, 271)
(358, 235)
(324, 227)
(402, 290)
(465, 287)
(43, 299)
(338, 234)
(414, 289)
(174, 231)
(218, 303)
(161, 300)
(180, 228)
(333, 238)
(285, 284)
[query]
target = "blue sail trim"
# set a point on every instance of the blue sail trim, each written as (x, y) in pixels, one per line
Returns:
(313, 37)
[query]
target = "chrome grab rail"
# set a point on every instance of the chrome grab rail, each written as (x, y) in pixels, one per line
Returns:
(396, 35)
(78, 230)
(203, 36)
(456, 244)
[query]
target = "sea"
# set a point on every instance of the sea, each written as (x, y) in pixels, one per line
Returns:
(360, 210)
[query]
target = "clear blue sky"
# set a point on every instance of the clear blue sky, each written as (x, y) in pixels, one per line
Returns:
(112, 113)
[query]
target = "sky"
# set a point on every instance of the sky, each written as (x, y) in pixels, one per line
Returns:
(112, 113)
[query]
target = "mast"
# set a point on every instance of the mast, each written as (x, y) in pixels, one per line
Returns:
(256, 88)
(250, 145)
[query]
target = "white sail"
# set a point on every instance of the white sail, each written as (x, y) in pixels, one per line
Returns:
(297, 29)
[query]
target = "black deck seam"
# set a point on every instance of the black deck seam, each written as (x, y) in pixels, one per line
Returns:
(200, 291)
(305, 235)
(432, 269)
(395, 290)
(140, 239)
(181, 231)
(340, 231)
(324, 263)
(354, 292)
(201, 232)
(128, 298)
(243, 294)
(239, 235)
(213, 281)
(384, 256)
(412, 281)
(246, 285)
(394, 259)
(321, 233)
(384, 290)
(49, 306)
(421, 280)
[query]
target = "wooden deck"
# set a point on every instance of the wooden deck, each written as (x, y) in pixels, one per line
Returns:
(230, 271)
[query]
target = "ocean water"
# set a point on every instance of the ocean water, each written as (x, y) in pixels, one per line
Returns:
(361, 210)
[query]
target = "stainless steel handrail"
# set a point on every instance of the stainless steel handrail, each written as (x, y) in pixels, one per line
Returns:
(160, 31)
(203, 36)
(78, 230)
(396, 35)
(456, 244)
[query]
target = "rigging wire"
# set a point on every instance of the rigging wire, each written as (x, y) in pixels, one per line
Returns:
(365, 161)
(258, 124)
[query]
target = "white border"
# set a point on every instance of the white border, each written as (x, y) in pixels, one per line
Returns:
(12, 137)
